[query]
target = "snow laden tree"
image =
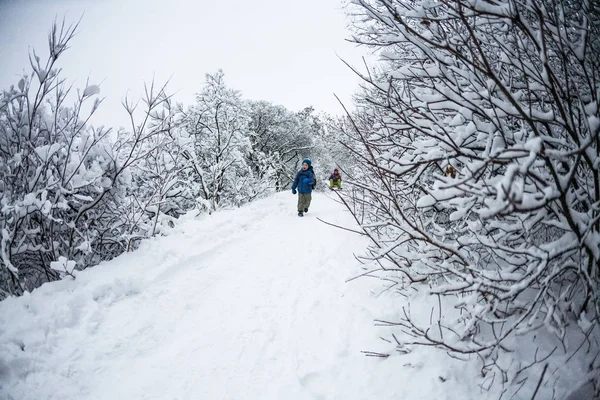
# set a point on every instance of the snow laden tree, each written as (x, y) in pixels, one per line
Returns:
(160, 191)
(479, 144)
(279, 139)
(54, 168)
(63, 182)
(217, 128)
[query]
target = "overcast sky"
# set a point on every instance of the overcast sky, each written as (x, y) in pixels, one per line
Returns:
(284, 51)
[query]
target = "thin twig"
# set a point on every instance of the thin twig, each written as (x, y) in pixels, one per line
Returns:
(341, 227)
(540, 381)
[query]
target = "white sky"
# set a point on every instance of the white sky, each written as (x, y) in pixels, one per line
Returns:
(285, 52)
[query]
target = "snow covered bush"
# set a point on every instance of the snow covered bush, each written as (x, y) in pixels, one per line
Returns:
(67, 199)
(56, 172)
(217, 130)
(160, 190)
(480, 147)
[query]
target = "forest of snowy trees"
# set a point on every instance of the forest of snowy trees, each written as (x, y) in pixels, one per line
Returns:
(74, 195)
(471, 162)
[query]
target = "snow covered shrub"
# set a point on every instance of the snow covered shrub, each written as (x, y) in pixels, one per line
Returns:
(217, 130)
(58, 176)
(67, 195)
(160, 190)
(480, 149)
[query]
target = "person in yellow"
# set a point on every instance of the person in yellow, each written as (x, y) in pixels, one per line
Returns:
(335, 180)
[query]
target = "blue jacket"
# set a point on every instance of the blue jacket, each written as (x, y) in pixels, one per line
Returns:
(304, 181)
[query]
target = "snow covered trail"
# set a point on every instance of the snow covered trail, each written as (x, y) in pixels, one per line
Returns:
(243, 304)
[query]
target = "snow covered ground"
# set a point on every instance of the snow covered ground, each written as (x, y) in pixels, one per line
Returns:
(250, 303)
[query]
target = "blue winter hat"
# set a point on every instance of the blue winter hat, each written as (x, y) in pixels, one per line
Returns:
(307, 161)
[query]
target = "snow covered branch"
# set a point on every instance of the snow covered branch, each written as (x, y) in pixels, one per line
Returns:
(479, 143)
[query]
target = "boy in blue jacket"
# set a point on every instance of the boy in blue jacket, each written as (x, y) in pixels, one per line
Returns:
(304, 180)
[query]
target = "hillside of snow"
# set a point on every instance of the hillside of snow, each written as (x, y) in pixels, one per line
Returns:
(250, 303)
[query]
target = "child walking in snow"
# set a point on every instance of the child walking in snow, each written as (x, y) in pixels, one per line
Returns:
(335, 180)
(305, 178)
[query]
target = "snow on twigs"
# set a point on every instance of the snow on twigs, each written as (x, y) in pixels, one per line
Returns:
(91, 90)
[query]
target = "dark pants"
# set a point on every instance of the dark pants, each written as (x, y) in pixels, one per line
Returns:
(303, 201)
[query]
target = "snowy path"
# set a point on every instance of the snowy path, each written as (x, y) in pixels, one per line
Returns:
(243, 304)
